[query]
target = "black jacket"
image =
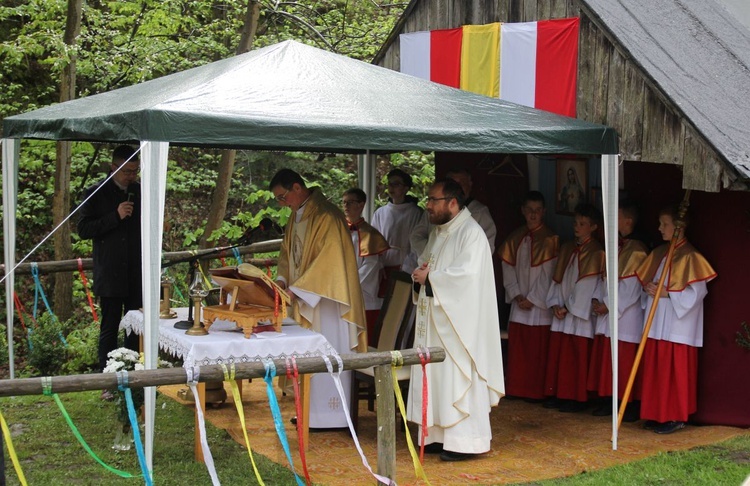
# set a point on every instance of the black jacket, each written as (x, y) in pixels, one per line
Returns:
(117, 243)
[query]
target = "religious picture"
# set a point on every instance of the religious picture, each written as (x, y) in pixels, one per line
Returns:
(571, 185)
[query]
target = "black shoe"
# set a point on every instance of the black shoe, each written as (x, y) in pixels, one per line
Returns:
(450, 456)
(572, 406)
(669, 427)
(551, 402)
(293, 420)
(602, 411)
(651, 424)
(511, 397)
(534, 400)
(632, 414)
(434, 448)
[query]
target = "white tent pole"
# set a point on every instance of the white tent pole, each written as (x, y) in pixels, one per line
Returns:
(610, 200)
(153, 190)
(367, 182)
(11, 148)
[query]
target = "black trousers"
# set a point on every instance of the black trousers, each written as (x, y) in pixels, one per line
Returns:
(113, 308)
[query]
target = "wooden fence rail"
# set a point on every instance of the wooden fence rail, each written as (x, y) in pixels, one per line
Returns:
(167, 258)
(386, 416)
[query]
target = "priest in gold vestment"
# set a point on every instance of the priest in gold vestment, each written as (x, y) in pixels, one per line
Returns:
(318, 267)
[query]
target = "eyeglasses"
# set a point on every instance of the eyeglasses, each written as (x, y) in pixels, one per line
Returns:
(127, 172)
(282, 197)
(435, 199)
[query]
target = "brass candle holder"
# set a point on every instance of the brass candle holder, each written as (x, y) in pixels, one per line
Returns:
(165, 312)
(197, 292)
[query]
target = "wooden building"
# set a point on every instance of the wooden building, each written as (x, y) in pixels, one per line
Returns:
(673, 78)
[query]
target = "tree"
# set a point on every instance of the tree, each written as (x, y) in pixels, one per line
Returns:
(63, 303)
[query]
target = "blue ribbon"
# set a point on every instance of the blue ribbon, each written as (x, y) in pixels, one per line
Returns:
(237, 255)
(276, 412)
(122, 385)
(38, 290)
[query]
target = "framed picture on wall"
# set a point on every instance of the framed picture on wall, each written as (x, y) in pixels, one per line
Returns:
(572, 183)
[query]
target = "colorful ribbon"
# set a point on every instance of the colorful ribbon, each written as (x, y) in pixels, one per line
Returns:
(240, 411)
(424, 358)
(12, 450)
(278, 422)
(192, 380)
(47, 390)
(85, 283)
(237, 255)
(122, 385)
(397, 361)
(292, 374)
(38, 290)
(337, 381)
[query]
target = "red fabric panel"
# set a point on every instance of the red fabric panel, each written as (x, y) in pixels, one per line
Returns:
(596, 362)
(557, 66)
(573, 367)
(670, 379)
(445, 56)
(527, 360)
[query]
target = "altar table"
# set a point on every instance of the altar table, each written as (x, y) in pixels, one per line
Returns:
(226, 344)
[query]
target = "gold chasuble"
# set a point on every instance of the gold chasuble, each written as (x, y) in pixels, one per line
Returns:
(371, 242)
(544, 243)
(590, 255)
(687, 266)
(317, 256)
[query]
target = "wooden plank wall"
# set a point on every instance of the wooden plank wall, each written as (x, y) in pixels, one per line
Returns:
(611, 88)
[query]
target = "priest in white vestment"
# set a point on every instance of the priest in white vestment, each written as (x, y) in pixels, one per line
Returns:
(457, 310)
(318, 266)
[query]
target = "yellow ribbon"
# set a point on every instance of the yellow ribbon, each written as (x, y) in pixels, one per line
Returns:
(12, 451)
(229, 376)
(397, 361)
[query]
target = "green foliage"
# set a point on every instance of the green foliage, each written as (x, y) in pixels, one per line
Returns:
(83, 349)
(3, 345)
(47, 353)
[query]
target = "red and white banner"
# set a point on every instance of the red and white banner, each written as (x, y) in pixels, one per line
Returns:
(537, 64)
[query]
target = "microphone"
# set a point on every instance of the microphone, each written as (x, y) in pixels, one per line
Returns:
(267, 229)
(131, 194)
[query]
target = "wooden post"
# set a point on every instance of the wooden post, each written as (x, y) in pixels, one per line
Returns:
(386, 410)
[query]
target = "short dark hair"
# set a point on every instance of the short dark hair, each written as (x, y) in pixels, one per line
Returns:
(358, 193)
(452, 189)
(535, 196)
(405, 178)
(121, 153)
(286, 178)
(588, 210)
(630, 209)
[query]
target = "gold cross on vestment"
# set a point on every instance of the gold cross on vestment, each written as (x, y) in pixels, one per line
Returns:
(422, 307)
(421, 331)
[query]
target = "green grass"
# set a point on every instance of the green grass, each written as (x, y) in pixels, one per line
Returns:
(725, 463)
(50, 454)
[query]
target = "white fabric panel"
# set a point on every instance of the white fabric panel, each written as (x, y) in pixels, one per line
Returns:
(153, 190)
(610, 199)
(367, 182)
(415, 54)
(518, 63)
(10, 195)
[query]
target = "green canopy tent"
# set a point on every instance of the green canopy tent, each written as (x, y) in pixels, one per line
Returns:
(287, 96)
